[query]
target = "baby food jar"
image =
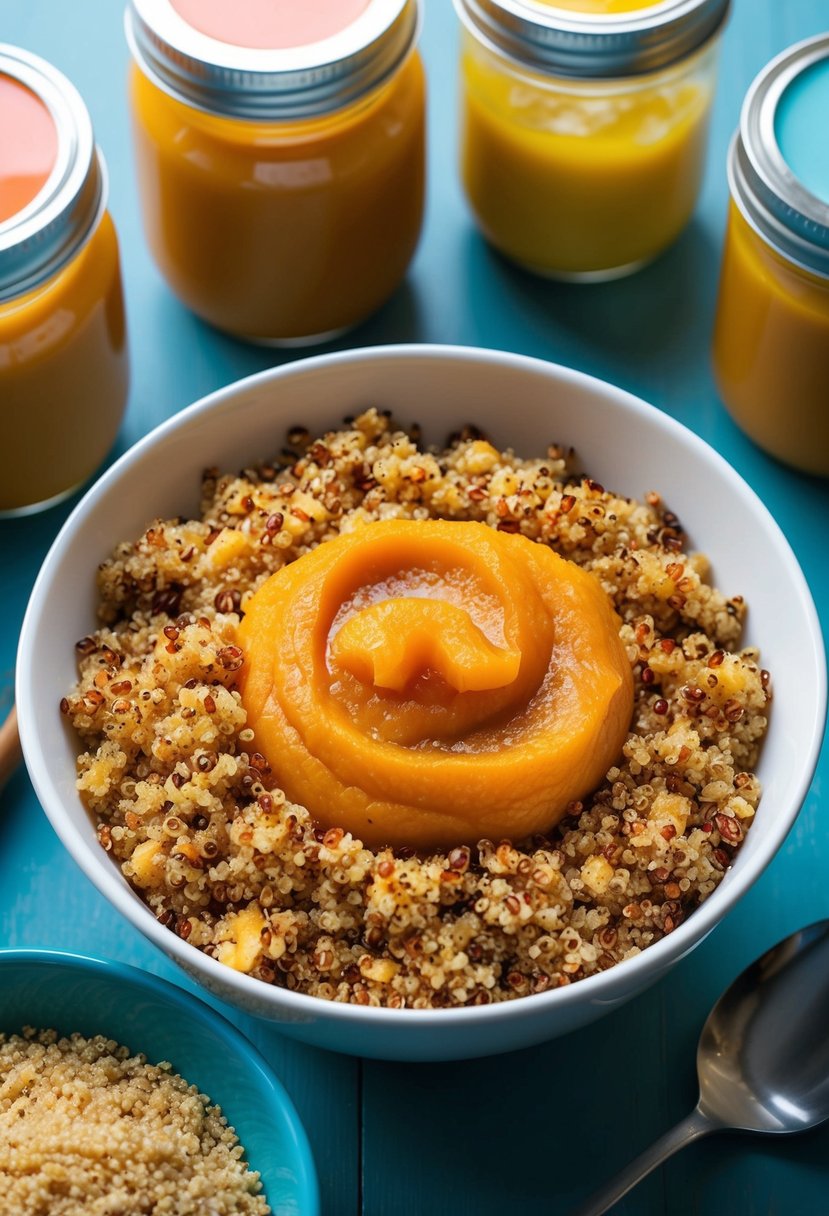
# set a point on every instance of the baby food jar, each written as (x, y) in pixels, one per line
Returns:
(63, 350)
(280, 153)
(584, 126)
(771, 337)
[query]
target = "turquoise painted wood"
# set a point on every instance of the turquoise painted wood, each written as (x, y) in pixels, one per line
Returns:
(531, 1132)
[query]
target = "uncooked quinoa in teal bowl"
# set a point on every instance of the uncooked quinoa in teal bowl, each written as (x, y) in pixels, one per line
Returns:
(70, 993)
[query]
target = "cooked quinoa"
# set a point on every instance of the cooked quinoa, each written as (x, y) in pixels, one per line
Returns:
(87, 1129)
(197, 821)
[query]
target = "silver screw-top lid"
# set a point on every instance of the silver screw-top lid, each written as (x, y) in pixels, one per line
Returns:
(271, 85)
(773, 200)
(594, 45)
(37, 241)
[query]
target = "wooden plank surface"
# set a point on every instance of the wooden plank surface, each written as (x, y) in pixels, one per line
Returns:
(534, 1131)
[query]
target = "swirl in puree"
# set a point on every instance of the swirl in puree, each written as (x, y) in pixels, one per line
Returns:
(429, 683)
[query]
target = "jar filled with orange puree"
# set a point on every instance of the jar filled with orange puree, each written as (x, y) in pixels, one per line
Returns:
(280, 150)
(771, 337)
(63, 350)
(584, 127)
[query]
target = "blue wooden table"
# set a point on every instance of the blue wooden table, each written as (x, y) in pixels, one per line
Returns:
(534, 1131)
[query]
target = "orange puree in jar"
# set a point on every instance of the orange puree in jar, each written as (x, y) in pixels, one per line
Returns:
(63, 375)
(771, 336)
(63, 350)
(428, 683)
(282, 184)
(771, 348)
(282, 232)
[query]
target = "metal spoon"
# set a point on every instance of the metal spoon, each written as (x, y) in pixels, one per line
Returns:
(762, 1058)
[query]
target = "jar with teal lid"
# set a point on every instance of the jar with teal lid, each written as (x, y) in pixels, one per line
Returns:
(771, 336)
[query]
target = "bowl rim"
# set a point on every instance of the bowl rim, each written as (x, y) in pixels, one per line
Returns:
(594, 989)
(191, 1006)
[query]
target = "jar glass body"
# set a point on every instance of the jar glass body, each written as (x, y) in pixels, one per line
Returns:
(283, 232)
(64, 375)
(582, 178)
(771, 348)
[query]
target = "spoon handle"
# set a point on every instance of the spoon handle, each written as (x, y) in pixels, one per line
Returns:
(688, 1129)
(10, 753)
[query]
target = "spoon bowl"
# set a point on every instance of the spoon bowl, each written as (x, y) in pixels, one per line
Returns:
(763, 1055)
(762, 1058)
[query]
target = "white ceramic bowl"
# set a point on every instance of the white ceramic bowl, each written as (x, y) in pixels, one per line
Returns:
(520, 402)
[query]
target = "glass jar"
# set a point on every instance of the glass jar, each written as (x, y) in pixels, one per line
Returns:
(771, 335)
(63, 350)
(281, 180)
(584, 127)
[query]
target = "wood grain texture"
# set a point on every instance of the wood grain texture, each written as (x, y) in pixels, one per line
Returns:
(535, 1131)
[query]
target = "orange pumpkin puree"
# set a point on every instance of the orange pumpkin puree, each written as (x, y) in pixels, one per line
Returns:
(428, 683)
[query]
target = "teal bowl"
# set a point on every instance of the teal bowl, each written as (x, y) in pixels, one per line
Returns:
(68, 992)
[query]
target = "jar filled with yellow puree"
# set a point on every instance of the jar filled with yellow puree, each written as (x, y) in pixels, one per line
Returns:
(63, 350)
(771, 337)
(280, 152)
(584, 127)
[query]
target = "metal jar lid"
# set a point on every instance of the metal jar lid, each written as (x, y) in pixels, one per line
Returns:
(271, 85)
(594, 45)
(774, 201)
(45, 234)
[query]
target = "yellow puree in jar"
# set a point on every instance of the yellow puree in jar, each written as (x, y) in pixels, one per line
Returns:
(429, 682)
(570, 181)
(771, 348)
(63, 375)
(283, 230)
(599, 6)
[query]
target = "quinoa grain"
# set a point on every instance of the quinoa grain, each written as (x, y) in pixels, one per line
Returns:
(222, 858)
(86, 1129)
